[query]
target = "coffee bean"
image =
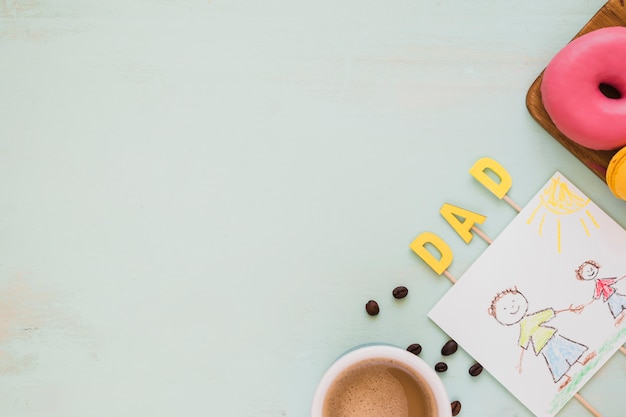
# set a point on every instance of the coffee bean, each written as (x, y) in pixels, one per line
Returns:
(475, 369)
(400, 292)
(456, 407)
(415, 348)
(441, 367)
(372, 308)
(449, 348)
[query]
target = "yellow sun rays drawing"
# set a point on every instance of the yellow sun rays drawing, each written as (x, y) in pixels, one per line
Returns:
(558, 201)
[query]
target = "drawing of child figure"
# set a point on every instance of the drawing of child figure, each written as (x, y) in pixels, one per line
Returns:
(589, 271)
(510, 307)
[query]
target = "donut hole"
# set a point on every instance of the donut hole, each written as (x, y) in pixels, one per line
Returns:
(610, 91)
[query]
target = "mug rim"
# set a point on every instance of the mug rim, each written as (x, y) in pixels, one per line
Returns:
(433, 381)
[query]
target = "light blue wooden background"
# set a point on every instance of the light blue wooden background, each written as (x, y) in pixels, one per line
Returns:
(198, 197)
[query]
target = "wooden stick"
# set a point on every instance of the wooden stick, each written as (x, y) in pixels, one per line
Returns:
(622, 349)
(482, 235)
(587, 405)
(512, 203)
(450, 276)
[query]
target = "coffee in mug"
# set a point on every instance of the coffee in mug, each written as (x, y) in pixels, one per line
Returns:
(377, 381)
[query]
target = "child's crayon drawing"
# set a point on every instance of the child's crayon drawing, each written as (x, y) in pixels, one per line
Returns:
(559, 201)
(536, 309)
(560, 353)
(604, 289)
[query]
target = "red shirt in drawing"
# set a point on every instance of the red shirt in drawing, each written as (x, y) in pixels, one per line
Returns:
(604, 288)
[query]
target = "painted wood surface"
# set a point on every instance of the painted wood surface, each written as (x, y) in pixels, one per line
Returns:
(199, 197)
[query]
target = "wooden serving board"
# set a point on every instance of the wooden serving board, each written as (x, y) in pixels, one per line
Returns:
(613, 13)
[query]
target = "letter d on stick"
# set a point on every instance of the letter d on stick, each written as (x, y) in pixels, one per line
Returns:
(498, 188)
(439, 265)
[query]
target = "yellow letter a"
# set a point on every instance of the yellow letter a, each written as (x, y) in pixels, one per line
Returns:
(452, 213)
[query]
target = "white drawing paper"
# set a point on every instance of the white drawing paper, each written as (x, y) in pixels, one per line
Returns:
(542, 309)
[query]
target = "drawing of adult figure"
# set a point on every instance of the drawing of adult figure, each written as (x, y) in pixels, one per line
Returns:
(604, 288)
(510, 307)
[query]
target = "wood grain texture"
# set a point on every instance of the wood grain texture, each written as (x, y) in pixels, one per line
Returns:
(613, 13)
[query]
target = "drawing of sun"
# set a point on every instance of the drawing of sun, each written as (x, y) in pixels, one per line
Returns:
(559, 202)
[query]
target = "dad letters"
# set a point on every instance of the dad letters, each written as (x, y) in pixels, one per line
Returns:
(433, 249)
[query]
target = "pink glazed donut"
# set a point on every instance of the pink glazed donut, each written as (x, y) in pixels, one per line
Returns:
(584, 89)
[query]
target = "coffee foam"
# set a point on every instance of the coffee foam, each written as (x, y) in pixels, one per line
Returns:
(378, 387)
